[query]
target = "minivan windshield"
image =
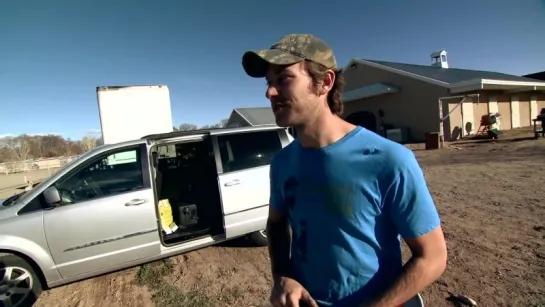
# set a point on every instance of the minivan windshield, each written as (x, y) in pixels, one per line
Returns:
(82, 157)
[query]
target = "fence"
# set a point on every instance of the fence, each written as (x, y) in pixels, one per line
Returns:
(33, 165)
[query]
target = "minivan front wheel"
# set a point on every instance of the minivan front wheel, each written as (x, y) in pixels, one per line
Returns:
(259, 238)
(19, 283)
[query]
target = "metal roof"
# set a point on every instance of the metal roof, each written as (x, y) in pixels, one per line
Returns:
(450, 75)
(537, 76)
(371, 90)
(257, 116)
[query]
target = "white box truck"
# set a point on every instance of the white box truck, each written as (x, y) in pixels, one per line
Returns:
(131, 112)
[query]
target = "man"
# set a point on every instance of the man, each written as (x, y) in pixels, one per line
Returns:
(346, 192)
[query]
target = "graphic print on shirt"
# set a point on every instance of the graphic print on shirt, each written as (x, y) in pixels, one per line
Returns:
(338, 198)
(299, 246)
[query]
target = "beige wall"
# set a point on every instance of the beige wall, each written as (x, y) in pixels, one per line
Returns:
(455, 122)
(489, 102)
(415, 106)
(540, 102)
(504, 107)
(524, 110)
(464, 118)
(479, 109)
(510, 107)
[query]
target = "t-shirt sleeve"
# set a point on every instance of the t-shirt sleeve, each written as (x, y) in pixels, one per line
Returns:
(409, 201)
(276, 200)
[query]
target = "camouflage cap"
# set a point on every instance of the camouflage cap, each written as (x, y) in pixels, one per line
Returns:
(290, 49)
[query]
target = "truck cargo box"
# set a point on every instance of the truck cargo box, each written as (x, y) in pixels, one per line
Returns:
(131, 112)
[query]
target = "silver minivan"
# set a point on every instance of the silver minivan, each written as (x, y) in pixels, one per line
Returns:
(100, 213)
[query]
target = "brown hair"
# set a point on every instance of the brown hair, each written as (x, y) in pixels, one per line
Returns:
(317, 74)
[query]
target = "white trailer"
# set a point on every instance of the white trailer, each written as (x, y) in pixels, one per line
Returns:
(131, 112)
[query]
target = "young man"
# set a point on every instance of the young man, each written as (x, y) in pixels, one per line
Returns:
(346, 192)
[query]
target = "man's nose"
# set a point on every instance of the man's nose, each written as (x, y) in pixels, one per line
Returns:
(271, 92)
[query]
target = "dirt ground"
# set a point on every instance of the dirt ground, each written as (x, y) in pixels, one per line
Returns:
(9, 182)
(489, 194)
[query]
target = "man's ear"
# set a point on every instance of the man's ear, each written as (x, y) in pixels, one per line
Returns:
(327, 83)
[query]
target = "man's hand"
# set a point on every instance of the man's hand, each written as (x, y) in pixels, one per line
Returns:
(288, 292)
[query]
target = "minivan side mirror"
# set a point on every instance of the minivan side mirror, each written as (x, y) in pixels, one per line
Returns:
(52, 197)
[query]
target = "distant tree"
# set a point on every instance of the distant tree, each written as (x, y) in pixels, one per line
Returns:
(20, 145)
(89, 142)
(54, 145)
(187, 127)
(36, 147)
(24, 147)
(221, 124)
(7, 154)
(74, 148)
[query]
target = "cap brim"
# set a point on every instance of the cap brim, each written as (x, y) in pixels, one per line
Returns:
(256, 63)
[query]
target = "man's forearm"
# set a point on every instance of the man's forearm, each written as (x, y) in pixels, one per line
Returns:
(418, 273)
(279, 237)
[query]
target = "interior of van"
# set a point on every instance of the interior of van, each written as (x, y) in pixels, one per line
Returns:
(186, 176)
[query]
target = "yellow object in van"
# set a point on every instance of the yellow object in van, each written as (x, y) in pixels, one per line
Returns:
(166, 218)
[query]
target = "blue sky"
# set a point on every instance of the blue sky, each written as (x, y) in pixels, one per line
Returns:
(54, 53)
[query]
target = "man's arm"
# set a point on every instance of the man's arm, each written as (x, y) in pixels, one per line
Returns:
(427, 263)
(278, 230)
(279, 237)
(411, 207)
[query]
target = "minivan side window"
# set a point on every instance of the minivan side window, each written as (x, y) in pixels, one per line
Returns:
(247, 150)
(107, 175)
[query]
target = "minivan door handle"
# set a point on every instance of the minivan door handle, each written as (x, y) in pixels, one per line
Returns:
(232, 183)
(136, 202)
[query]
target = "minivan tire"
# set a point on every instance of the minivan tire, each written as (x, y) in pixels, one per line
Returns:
(259, 238)
(30, 287)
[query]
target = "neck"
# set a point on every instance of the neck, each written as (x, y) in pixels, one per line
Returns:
(324, 130)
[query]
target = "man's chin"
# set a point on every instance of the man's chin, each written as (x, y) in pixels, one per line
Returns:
(283, 122)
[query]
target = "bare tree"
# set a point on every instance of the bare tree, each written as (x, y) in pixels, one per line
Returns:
(24, 147)
(221, 124)
(89, 142)
(6, 153)
(20, 145)
(36, 147)
(187, 127)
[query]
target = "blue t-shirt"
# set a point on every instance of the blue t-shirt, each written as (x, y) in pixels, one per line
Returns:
(347, 204)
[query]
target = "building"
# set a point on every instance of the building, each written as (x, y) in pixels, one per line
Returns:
(537, 75)
(243, 117)
(409, 96)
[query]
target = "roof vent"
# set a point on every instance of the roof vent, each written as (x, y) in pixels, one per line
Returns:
(439, 59)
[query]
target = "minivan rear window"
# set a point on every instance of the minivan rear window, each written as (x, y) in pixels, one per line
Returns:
(248, 150)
